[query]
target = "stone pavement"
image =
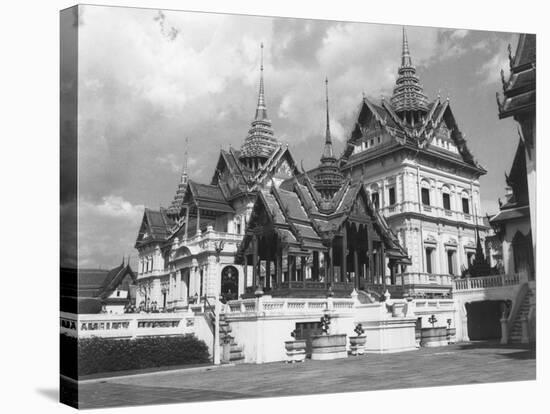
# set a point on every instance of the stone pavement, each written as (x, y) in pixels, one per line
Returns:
(451, 365)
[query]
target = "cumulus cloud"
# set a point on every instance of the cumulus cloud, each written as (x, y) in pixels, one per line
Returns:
(149, 78)
(107, 229)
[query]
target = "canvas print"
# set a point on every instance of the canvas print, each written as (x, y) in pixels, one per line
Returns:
(263, 207)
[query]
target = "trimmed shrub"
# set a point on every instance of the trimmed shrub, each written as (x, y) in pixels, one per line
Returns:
(96, 355)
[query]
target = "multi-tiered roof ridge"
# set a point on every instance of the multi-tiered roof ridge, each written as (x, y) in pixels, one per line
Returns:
(329, 178)
(260, 141)
(408, 94)
(175, 207)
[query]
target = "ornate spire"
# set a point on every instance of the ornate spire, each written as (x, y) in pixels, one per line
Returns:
(405, 54)
(327, 153)
(329, 178)
(261, 111)
(408, 94)
(260, 141)
(175, 207)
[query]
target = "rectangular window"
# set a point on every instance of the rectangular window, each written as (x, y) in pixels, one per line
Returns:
(429, 256)
(446, 201)
(451, 261)
(426, 196)
(376, 200)
(465, 205)
(392, 195)
(379, 140)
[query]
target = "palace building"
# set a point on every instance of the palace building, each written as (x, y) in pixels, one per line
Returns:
(388, 234)
(406, 160)
(414, 160)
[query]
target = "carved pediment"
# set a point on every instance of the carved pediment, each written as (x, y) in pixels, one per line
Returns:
(284, 170)
(359, 207)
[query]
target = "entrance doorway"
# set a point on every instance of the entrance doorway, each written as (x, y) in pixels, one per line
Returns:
(230, 283)
(484, 319)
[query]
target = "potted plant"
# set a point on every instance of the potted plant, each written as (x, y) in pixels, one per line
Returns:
(327, 346)
(296, 349)
(433, 336)
(451, 332)
(357, 343)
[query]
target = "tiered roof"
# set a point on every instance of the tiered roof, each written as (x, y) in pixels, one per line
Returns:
(520, 88)
(517, 203)
(175, 208)
(260, 142)
(410, 121)
(155, 226)
(303, 221)
(408, 94)
(328, 178)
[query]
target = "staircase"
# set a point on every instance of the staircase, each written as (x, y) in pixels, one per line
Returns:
(523, 312)
(232, 353)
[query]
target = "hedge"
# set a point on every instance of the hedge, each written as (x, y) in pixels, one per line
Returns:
(96, 355)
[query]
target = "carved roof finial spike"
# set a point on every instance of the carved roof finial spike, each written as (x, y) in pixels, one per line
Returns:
(328, 138)
(405, 54)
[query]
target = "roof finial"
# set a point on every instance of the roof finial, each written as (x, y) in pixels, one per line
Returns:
(327, 153)
(186, 155)
(261, 112)
(405, 54)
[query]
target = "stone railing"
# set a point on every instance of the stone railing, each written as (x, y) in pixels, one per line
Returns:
(488, 282)
(128, 325)
(433, 304)
(287, 306)
(424, 279)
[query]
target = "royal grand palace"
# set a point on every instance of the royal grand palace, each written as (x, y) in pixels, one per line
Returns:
(389, 233)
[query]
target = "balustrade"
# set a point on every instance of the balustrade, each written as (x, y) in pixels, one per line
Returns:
(288, 305)
(487, 282)
(127, 325)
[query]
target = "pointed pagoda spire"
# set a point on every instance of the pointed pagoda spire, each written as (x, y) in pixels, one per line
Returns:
(408, 93)
(260, 141)
(327, 153)
(405, 54)
(175, 207)
(329, 178)
(261, 110)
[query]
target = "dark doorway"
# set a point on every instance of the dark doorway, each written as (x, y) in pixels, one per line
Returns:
(484, 319)
(230, 283)
(305, 330)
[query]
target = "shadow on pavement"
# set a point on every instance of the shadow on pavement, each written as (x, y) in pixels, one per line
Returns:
(49, 393)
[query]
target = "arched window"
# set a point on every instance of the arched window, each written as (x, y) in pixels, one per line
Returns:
(465, 202)
(425, 192)
(446, 197)
(375, 195)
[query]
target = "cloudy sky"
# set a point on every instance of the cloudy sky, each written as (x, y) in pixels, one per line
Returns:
(148, 79)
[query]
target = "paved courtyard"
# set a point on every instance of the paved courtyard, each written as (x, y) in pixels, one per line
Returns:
(452, 365)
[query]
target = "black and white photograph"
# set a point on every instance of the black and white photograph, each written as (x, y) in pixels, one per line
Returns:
(274, 206)
(262, 207)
